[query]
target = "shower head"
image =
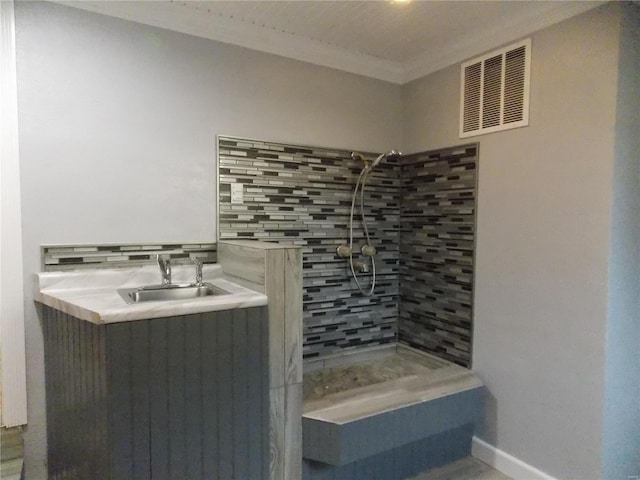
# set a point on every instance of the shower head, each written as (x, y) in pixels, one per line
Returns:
(393, 154)
(368, 164)
(385, 156)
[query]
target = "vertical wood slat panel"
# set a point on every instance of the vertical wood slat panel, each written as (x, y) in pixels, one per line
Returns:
(263, 314)
(76, 401)
(193, 395)
(225, 396)
(209, 362)
(82, 384)
(64, 393)
(68, 460)
(125, 425)
(176, 385)
(255, 390)
(240, 390)
(159, 403)
(140, 399)
(76, 409)
(119, 399)
(80, 396)
(401, 462)
(102, 415)
(74, 404)
(59, 378)
(52, 385)
(48, 332)
(67, 417)
(71, 413)
(91, 403)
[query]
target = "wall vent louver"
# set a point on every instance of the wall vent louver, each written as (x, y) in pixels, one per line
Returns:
(494, 91)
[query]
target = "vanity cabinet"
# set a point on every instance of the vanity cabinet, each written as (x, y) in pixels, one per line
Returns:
(173, 398)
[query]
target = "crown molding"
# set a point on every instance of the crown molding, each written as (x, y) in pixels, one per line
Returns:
(472, 45)
(174, 16)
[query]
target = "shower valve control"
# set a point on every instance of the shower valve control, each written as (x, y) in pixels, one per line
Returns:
(344, 251)
(368, 250)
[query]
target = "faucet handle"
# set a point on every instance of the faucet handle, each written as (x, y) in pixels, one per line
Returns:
(198, 262)
(165, 269)
(163, 263)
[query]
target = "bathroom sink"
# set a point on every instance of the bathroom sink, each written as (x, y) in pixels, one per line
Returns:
(153, 293)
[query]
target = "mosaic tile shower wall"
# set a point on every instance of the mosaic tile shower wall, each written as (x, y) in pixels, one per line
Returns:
(302, 195)
(437, 251)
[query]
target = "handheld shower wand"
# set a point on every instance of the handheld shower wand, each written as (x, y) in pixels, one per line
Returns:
(368, 250)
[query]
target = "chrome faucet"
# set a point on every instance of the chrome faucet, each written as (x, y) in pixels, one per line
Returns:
(165, 269)
(198, 263)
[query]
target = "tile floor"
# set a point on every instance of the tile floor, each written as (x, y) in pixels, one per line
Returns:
(467, 468)
(11, 453)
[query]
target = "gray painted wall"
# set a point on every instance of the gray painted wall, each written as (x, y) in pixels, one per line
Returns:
(543, 240)
(115, 114)
(621, 434)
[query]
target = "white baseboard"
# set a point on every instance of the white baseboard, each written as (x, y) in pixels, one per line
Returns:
(505, 463)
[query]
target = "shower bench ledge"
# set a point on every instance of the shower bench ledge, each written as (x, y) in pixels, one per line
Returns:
(352, 425)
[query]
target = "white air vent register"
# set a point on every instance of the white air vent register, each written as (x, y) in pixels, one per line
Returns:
(494, 91)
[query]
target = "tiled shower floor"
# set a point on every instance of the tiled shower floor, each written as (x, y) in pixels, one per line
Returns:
(392, 366)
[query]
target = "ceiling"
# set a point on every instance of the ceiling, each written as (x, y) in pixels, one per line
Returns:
(388, 40)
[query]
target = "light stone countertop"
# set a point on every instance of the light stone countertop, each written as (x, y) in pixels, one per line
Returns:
(92, 295)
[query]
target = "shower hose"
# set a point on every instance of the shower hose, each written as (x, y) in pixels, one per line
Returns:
(362, 179)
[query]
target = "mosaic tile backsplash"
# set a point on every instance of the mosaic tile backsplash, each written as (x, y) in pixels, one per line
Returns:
(73, 257)
(302, 195)
(437, 251)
